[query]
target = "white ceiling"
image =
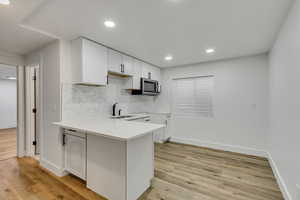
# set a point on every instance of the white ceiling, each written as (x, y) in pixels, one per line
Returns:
(151, 29)
(13, 38)
(148, 29)
(7, 71)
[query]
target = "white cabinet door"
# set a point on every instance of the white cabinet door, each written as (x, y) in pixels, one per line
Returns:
(161, 135)
(94, 63)
(150, 72)
(89, 62)
(120, 63)
(146, 71)
(134, 82)
(75, 155)
(115, 61)
(137, 74)
(128, 65)
(156, 73)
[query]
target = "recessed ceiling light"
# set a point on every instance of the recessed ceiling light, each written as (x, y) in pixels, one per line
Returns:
(11, 78)
(4, 2)
(168, 58)
(109, 24)
(210, 51)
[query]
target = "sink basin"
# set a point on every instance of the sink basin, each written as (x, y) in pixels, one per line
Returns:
(121, 117)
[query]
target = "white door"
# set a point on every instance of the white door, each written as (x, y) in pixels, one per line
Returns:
(75, 155)
(115, 61)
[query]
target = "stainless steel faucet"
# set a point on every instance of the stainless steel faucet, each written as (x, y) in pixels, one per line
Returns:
(114, 109)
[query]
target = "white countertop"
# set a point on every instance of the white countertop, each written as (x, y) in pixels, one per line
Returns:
(113, 128)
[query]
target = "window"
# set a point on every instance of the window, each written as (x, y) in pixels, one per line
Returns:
(193, 97)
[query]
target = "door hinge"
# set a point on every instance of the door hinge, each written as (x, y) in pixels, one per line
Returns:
(34, 143)
(34, 110)
(34, 78)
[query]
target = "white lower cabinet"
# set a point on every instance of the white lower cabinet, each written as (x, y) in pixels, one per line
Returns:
(161, 135)
(75, 155)
(120, 170)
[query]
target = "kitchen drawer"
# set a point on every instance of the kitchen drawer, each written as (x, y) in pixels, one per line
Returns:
(75, 133)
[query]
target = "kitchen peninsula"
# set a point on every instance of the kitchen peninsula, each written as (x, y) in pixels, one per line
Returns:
(114, 156)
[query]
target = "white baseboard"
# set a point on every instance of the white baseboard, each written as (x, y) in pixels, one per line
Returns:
(53, 168)
(279, 179)
(9, 127)
(224, 147)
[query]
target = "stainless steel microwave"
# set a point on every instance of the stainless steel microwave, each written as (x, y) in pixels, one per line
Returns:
(148, 87)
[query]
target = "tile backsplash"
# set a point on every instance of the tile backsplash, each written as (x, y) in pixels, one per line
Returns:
(88, 101)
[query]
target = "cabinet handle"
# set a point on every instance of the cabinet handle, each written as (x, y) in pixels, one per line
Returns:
(123, 68)
(149, 75)
(64, 140)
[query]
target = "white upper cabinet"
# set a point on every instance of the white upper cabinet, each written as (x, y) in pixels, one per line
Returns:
(119, 63)
(146, 70)
(150, 72)
(134, 82)
(156, 74)
(115, 61)
(128, 63)
(89, 61)
(137, 74)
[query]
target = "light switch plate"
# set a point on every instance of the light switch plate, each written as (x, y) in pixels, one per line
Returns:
(298, 186)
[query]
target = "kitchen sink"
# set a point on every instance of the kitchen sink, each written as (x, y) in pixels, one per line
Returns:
(121, 117)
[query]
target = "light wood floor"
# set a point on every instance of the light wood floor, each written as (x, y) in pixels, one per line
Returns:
(182, 172)
(8, 143)
(193, 173)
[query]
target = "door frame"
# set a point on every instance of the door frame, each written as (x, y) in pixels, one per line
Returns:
(20, 129)
(20, 111)
(32, 101)
(18, 62)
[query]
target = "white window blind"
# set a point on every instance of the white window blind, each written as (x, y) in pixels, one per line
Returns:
(193, 97)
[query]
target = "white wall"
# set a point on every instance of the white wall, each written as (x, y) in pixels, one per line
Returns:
(240, 105)
(8, 104)
(11, 59)
(49, 59)
(284, 138)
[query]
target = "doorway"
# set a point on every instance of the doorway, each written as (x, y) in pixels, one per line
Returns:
(32, 111)
(8, 110)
